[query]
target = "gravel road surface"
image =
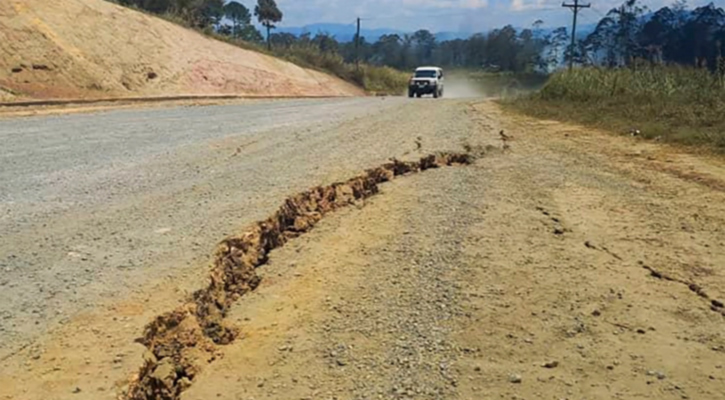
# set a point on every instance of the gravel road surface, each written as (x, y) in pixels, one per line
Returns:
(572, 264)
(93, 206)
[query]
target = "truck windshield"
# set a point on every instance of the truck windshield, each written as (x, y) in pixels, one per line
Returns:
(425, 74)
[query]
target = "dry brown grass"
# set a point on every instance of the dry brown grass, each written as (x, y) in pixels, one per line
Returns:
(672, 104)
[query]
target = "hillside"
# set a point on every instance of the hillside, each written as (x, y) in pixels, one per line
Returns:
(53, 49)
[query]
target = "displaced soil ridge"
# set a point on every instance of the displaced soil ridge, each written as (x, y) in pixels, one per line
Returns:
(715, 304)
(179, 343)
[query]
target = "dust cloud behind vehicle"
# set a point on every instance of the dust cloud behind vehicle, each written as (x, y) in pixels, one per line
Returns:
(462, 84)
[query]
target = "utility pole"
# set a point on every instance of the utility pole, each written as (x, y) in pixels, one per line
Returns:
(357, 46)
(575, 8)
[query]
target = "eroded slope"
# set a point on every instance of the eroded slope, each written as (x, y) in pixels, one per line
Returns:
(96, 49)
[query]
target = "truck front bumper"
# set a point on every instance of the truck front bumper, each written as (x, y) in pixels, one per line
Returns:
(422, 89)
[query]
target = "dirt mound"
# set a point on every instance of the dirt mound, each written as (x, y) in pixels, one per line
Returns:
(52, 49)
(180, 342)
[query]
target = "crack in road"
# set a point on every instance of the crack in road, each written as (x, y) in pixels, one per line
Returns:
(180, 342)
(715, 305)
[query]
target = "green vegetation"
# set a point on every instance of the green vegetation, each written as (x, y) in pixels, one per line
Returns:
(195, 13)
(322, 53)
(374, 79)
(671, 35)
(383, 80)
(662, 76)
(268, 14)
(241, 27)
(509, 60)
(675, 104)
(505, 49)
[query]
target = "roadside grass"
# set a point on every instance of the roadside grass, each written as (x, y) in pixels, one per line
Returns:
(383, 80)
(373, 79)
(668, 103)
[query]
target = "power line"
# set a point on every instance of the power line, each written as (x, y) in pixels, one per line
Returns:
(457, 14)
(357, 46)
(575, 8)
(354, 22)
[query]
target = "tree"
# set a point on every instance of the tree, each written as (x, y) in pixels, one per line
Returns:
(475, 50)
(658, 35)
(250, 34)
(556, 42)
(600, 45)
(387, 51)
(283, 40)
(225, 30)
(679, 9)
(268, 15)
(364, 50)
(238, 14)
(326, 42)
(672, 34)
(213, 10)
(617, 39)
(503, 47)
(241, 18)
(627, 19)
(701, 34)
(424, 43)
(154, 6)
(529, 52)
(200, 13)
(407, 58)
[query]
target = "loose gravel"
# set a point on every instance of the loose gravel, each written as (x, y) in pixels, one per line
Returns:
(93, 207)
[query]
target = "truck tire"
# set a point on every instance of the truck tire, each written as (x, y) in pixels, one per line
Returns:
(435, 94)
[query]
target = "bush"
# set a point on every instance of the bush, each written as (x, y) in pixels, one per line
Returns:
(377, 80)
(677, 104)
(384, 80)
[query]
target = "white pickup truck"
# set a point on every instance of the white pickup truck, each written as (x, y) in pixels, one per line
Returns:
(426, 80)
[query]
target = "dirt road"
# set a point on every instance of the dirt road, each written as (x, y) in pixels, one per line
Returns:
(572, 265)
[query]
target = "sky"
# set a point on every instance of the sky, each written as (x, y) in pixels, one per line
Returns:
(447, 15)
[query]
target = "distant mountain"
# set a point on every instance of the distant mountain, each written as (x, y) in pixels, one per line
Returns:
(346, 32)
(341, 32)
(445, 36)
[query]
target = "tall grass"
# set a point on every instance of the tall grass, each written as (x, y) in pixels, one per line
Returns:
(374, 79)
(383, 80)
(670, 103)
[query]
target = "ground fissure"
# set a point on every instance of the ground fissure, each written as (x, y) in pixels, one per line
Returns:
(181, 342)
